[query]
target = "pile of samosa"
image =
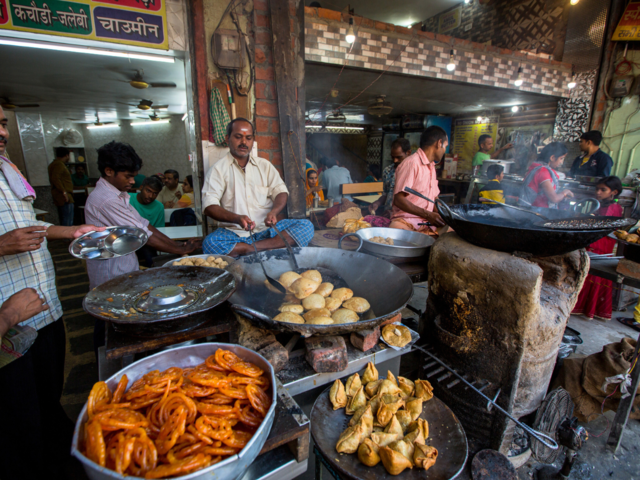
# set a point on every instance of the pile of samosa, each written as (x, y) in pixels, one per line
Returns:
(386, 424)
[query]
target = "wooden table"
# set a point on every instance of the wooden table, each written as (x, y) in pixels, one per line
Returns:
(415, 267)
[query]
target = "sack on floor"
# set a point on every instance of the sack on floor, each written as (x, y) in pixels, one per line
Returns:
(583, 378)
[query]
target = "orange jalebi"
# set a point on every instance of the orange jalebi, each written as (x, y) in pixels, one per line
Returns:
(175, 422)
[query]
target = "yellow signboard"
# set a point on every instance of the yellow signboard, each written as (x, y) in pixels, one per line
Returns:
(629, 27)
(465, 140)
(449, 20)
(141, 23)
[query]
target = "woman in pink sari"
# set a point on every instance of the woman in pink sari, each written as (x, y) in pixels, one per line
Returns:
(595, 297)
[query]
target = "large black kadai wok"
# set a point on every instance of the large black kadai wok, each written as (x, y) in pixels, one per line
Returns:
(508, 230)
(385, 286)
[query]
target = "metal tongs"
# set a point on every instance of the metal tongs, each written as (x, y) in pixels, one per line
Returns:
(541, 437)
(436, 202)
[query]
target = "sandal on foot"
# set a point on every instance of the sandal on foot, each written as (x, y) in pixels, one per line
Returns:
(629, 322)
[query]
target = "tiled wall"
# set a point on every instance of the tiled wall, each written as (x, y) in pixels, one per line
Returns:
(426, 54)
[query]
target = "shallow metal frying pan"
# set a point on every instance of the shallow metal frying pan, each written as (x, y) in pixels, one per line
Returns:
(385, 286)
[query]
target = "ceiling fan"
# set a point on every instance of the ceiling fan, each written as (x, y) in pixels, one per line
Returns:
(146, 105)
(97, 123)
(380, 107)
(9, 105)
(138, 82)
(154, 117)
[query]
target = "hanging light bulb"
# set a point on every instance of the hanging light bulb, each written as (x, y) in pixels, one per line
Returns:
(479, 119)
(515, 109)
(467, 2)
(351, 36)
(572, 83)
(519, 81)
(574, 2)
(451, 66)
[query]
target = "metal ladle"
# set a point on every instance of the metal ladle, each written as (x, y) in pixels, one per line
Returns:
(274, 283)
(521, 209)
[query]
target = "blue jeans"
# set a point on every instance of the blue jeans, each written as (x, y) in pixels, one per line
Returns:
(65, 212)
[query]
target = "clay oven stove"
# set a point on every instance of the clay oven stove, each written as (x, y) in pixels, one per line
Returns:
(499, 319)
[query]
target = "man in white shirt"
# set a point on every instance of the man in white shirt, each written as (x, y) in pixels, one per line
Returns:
(333, 177)
(246, 193)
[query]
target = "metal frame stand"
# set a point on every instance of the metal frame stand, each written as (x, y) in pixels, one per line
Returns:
(320, 461)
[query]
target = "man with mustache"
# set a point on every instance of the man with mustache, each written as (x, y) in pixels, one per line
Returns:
(400, 149)
(245, 193)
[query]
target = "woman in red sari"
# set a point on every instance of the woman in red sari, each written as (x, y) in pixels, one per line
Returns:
(595, 297)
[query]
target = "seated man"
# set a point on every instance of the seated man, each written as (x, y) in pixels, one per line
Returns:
(333, 177)
(493, 191)
(418, 172)
(80, 178)
(246, 193)
(172, 191)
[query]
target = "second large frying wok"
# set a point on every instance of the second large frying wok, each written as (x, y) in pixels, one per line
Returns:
(385, 286)
(508, 230)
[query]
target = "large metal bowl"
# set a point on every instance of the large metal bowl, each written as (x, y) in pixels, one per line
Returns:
(406, 243)
(189, 356)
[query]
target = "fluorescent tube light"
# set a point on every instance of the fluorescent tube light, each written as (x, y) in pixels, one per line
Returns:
(150, 122)
(107, 125)
(335, 127)
(89, 50)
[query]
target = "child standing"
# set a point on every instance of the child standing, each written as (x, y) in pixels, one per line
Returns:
(595, 298)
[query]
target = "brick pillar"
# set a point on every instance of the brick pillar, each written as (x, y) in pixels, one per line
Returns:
(266, 111)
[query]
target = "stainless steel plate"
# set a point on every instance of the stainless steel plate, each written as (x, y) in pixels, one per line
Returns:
(159, 294)
(405, 242)
(110, 243)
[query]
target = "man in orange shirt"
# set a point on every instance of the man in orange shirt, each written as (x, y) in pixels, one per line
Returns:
(418, 172)
(62, 186)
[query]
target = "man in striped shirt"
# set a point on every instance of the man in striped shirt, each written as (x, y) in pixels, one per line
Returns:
(108, 205)
(32, 384)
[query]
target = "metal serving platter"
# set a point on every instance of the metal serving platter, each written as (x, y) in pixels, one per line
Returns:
(405, 243)
(445, 434)
(189, 356)
(159, 294)
(110, 243)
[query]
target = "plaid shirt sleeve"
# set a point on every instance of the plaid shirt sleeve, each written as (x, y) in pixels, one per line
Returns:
(30, 269)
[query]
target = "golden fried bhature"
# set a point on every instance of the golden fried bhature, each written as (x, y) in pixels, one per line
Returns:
(288, 317)
(320, 321)
(342, 294)
(317, 312)
(414, 406)
(353, 384)
(368, 453)
(271, 288)
(396, 335)
(357, 304)
(350, 440)
(357, 401)
(313, 301)
(291, 298)
(406, 385)
(303, 287)
(290, 307)
(344, 315)
(332, 304)
(395, 463)
(324, 289)
(424, 390)
(313, 275)
(370, 374)
(424, 456)
(337, 395)
(419, 424)
(287, 278)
